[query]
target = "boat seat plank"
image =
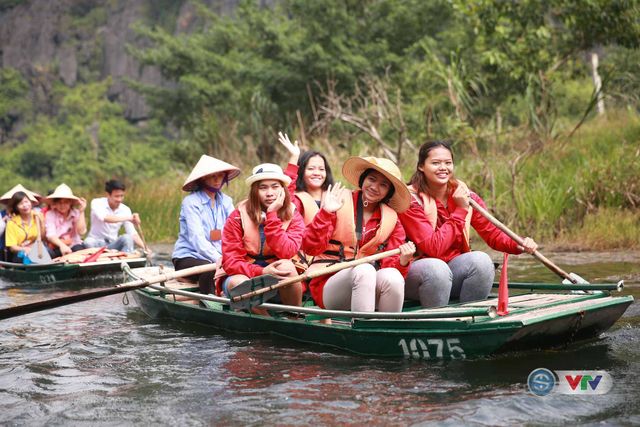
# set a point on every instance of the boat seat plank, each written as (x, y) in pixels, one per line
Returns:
(557, 309)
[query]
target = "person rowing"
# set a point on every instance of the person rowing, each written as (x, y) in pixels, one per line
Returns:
(438, 221)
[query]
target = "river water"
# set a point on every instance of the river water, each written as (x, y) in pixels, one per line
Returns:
(103, 362)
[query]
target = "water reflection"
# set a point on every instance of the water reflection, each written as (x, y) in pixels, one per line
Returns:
(106, 363)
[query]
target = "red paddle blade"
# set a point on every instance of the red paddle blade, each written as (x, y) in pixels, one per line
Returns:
(503, 289)
(94, 257)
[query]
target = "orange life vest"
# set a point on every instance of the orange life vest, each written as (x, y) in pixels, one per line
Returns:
(343, 243)
(251, 243)
(309, 205)
(428, 203)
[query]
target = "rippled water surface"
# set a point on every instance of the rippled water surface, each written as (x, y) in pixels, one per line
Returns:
(105, 362)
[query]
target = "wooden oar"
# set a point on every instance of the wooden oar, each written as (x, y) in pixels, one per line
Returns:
(573, 278)
(19, 310)
(144, 242)
(254, 292)
(39, 253)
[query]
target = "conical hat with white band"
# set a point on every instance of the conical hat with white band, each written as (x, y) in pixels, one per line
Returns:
(208, 165)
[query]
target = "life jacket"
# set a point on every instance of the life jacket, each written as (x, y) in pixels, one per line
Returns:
(343, 243)
(309, 205)
(428, 203)
(251, 243)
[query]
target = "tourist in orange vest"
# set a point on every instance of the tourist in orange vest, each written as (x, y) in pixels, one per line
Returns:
(357, 224)
(262, 235)
(438, 222)
(310, 175)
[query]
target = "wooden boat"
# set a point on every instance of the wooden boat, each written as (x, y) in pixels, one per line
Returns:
(71, 267)
(540, 316)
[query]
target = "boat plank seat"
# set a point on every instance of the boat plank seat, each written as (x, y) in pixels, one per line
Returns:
(571, 308)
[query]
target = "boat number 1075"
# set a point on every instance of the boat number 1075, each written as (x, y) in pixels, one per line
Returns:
(434, 348)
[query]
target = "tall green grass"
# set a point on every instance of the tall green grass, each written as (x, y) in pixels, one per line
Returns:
(581, 193)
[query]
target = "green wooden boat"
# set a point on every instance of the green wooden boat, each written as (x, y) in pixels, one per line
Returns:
(48, 274)
(536, 319)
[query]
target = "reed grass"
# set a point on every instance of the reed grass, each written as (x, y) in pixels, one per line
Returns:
(581, 193)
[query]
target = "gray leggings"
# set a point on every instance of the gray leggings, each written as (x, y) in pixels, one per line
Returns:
(468, 276)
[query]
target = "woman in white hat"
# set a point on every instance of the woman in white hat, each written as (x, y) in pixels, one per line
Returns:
(262, 235)
(438, 221)
(202, 216)
(64, 223)
(355, 225)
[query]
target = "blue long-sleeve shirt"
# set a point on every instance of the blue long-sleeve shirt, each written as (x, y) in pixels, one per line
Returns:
(197, 219)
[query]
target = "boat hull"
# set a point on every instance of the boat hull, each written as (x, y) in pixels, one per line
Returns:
(419, 339)
(50, 274)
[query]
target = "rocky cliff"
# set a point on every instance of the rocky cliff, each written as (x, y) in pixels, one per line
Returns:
(78, 41)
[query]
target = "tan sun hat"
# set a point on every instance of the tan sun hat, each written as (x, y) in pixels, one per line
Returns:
(62, 191)
(355, 166)
(208, 165)
(268, 171)
(34, 197)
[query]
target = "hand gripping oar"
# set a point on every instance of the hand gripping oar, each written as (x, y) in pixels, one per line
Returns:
(19, 310)
(254, 292)
(572, 277)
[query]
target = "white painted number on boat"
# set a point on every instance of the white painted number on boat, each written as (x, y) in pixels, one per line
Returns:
(47, 278)
(418, 349)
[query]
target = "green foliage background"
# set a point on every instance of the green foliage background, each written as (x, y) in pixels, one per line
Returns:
(508, 82)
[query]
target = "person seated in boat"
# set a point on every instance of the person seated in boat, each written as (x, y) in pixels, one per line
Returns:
(310, 175)
(438, 222)
(108, 216)
(202, 217)
(23, 227)
(64, 221)
(357, 224)
(262, 235)
(5, 215)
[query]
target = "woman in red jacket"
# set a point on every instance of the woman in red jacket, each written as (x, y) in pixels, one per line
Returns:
(438, 222)
(262, 235)
(355, 225)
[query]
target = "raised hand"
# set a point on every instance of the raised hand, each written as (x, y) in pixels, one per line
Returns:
(293, 148)
(406, 253)
(333, 198)
(82, 204)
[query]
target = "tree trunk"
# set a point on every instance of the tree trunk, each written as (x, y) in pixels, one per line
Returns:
(597, 83)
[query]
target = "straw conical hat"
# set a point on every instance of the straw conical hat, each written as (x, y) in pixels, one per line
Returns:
(62, 191)
(34, 197)
(208, 165)
(355, 166)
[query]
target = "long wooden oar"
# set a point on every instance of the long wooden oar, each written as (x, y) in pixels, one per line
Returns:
(573, 278)
(256, 291)
(19, 310)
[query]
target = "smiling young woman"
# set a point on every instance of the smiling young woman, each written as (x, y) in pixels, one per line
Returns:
(438, 222)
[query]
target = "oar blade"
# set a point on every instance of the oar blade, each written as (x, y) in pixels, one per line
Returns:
(251, 285)
(39, 254)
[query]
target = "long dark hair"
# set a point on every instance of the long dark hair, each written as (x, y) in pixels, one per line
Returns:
(15, 200)
(418, 181)
(303, 160)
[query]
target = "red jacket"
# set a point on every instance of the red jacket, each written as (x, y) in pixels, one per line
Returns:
(446, 241)
(292, 172)
(319, 232)
(285, 244)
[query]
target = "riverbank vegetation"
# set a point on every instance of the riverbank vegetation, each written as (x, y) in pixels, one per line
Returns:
(539, 98)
